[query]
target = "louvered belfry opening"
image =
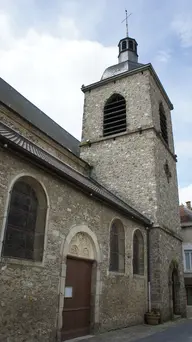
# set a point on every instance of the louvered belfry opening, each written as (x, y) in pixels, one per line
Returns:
(114, 115)
(124, 45)
(163, 123)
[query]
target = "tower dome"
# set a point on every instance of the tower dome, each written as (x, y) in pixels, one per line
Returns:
(127, 58)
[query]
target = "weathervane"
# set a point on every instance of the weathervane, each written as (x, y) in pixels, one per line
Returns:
(126, 20)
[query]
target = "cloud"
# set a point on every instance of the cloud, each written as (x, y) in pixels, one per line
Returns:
(49, 70)
(67, 29)
(182, 26)
(163, 56)
(185, 194)
(5, 31)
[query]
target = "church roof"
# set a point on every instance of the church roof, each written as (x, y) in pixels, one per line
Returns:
(16, 142)
(185, 216)
(119, 68)
(29, 112)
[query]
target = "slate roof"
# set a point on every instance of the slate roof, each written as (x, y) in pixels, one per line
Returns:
(24, 108)
(185, 216)
(119, 68)
(16, 142)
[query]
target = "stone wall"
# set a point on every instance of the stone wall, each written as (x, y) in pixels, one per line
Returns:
(125, 163)
(29, 291)
(135, 90)
(126, 166)
(156, 97)
(124, 295)
(165, 249)
(167, 189)
(132, 164)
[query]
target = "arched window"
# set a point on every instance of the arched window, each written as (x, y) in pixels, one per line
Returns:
(138, 253)
(25, 226)
(114, 115)
(117, 247)
(163, 123)
(124, 45)
(130, 45)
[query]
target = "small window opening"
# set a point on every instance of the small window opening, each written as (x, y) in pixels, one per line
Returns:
(117, 247)
(124, 45)
(130, 44)
(163, 123)
(189, 295)
(114, 115)
(138, 253)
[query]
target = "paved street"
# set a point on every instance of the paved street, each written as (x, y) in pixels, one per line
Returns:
(180, 333)
(177, 331)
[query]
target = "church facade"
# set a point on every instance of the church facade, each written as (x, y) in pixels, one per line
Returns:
(90, 230)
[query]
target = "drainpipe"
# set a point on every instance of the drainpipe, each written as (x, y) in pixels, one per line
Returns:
(148, 269)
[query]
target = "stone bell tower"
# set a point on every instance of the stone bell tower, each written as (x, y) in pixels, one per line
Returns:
(127, 138)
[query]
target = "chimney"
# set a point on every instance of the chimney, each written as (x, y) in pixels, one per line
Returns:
(188, 204)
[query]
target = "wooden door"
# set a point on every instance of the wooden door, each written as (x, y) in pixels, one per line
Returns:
(77, 307)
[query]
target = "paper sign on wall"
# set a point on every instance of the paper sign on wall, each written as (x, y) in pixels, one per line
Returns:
(68, 292)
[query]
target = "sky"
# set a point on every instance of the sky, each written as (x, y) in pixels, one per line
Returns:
(49, 48)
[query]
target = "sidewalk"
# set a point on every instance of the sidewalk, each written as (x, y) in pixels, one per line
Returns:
(131, 333)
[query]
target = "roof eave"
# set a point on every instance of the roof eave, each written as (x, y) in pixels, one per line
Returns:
(127, 38)
(10, 108)
(134, 216)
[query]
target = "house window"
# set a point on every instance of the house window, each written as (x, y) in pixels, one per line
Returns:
(163, 123)
(188, 260)
(189, 295)
(25, 226)
(114, 115)
(124, 45)
(117, 247)
(138, 253)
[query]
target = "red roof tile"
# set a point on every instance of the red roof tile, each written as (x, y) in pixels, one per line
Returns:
(185, 214)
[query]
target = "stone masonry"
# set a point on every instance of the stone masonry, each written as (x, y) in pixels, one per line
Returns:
(14, 121)
(139, 167)
(29, 291)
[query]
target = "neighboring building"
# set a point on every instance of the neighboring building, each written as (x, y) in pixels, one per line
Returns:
(90, 231)
(186, 225)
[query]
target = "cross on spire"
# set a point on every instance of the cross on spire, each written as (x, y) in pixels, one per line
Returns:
(126, 20)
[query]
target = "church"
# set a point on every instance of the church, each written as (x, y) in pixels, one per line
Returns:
(90, 230)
